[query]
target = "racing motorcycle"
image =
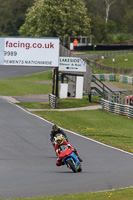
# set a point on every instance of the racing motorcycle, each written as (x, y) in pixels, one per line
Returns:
(69, 158)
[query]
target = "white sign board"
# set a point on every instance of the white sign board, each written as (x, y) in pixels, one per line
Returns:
(72, 64)
(29, 51)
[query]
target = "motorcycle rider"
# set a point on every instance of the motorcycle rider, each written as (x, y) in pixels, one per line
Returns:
(57, 130)
(59, 142)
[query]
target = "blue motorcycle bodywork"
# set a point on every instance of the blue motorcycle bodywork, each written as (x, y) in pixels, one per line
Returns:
(67, 155)
(73, 158)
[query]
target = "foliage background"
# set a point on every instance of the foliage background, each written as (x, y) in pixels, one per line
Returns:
(50, 18)
(118, 28)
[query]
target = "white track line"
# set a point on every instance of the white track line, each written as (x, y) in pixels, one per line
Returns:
(69, 130)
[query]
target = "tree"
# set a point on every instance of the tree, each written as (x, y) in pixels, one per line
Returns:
(12, 15)
(48, 18)
(100, 8)
(128, 22)
(108, 4)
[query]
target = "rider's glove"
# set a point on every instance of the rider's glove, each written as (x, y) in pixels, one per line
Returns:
(69, 146)
(57, 151)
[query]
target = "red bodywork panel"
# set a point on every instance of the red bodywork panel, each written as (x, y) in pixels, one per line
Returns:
(65, 153)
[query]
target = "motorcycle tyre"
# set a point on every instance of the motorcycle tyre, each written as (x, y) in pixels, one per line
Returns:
(80, 169)
(69, 163)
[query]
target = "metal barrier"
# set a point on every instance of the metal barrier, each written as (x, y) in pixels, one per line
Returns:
(126, 79)
(120, 109)
(104, 77)
(52, 100)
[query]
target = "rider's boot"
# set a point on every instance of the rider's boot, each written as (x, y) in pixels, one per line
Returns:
(75, 151)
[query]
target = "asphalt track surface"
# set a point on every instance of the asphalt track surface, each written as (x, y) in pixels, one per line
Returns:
(27, 158)
(16, 71)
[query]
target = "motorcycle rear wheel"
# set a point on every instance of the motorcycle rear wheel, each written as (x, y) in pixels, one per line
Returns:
(71, 166)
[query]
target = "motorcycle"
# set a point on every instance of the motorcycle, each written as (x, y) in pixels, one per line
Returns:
(69, 158)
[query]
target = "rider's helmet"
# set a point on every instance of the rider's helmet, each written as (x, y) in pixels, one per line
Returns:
(55, 128)
(59, 140)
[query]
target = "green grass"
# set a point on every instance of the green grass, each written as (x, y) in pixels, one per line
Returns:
(119, 61)
(62, 103)
(26, 85)
(20, 88)
(107, 128)
(119, 194)
(74, 103)
(92, 52)
(34, 105)
(42, 76)
(98, 71)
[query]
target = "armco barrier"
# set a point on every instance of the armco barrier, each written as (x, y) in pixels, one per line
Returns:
(119, 109)
(52, 100)
(126, 79)
(105, 77)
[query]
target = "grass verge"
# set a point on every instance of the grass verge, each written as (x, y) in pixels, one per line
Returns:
(119, 194)
(26, 85)
(107, 128)
(122, 61)
(62, 103)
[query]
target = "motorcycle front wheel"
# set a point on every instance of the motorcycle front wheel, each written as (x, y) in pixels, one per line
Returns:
(79, 168)
(71, 166)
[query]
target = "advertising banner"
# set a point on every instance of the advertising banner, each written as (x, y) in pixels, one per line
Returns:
(29, 51)
(72, 64)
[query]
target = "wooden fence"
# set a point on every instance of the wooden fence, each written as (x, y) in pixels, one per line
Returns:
(92, 62)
